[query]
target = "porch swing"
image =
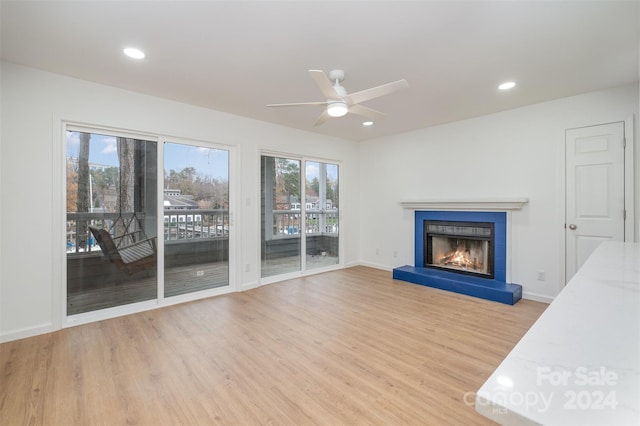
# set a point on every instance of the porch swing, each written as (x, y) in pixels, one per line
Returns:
(131, 252)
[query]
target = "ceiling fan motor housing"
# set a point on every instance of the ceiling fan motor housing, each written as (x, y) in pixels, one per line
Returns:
(336, 75)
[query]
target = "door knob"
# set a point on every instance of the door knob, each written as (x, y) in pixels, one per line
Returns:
(573, 227)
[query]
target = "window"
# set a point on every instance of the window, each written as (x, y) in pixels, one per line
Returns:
(286, 216)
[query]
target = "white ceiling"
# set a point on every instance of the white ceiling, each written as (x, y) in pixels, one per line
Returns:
(238, 56)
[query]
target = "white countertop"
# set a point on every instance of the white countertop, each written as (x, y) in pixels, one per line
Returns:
(579, 364)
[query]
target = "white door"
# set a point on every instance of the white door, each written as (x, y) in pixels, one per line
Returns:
(595, 190)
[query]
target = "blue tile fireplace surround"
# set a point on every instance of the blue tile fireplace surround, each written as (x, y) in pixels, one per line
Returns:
(491, 286)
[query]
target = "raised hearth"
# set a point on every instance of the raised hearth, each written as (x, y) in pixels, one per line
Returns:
(464, 252)
(471, 286)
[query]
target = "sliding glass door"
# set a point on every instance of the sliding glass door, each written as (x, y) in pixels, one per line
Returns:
(113, 236)
(321, 214)
(196, 218)
(111, 219)
(291, 209)
(281, 216)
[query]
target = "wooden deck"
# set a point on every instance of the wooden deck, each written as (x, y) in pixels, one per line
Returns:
(348, 347)
(283, 265)
(178, 280)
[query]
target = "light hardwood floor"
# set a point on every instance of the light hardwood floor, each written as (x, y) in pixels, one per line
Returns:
(346, 347)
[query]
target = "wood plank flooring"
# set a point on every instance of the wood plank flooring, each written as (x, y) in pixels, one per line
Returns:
(345, 347)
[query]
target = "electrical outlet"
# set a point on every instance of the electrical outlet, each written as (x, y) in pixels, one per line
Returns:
(199, 273)
(395, 253)
(247, 267)
(541, 276)
(377, 251)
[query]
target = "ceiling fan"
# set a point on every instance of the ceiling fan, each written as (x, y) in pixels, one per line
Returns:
(339, 103)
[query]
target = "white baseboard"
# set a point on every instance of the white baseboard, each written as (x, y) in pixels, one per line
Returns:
(248, 286)
(376, 266)
(23, 333)
(537, 297)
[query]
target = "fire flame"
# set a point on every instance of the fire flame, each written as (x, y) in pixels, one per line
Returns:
(461, 259)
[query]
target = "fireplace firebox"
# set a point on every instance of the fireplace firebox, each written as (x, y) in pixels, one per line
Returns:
(460, 247)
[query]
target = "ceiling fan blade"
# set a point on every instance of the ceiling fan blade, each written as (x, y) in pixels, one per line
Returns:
(324, 84)
(323, 117)
(376, 92)
(366, 112)
(298, 104)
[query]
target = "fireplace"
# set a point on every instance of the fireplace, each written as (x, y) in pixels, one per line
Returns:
(462, 251)
(460, 247)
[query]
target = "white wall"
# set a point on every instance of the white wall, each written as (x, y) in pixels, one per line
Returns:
(32, 106)
(516, 153)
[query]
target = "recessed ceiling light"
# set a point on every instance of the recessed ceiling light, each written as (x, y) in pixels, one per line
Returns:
(507, 85)
(368, 123)
(134, 53)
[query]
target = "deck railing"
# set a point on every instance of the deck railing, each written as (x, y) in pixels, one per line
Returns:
(192, 224)
(196, 224)
(287, 222)
(178, 225)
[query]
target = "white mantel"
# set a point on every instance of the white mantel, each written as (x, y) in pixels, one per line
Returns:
(481, 204)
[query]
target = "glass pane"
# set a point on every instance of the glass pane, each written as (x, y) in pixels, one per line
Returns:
(111, 242)
(281, 215)
(322, 214)
(196, 218)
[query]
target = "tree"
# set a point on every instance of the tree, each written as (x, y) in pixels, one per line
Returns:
(126, 189)
(315, 186)
(208, 192)
(288, 177)
(182, 180)
(332, 192)
(222, 194)
(72, 187)
(104, 183)
(103, 179)
(82, 198)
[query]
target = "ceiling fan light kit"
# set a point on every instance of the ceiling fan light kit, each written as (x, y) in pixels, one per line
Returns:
(337, 109)
(338, 103)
